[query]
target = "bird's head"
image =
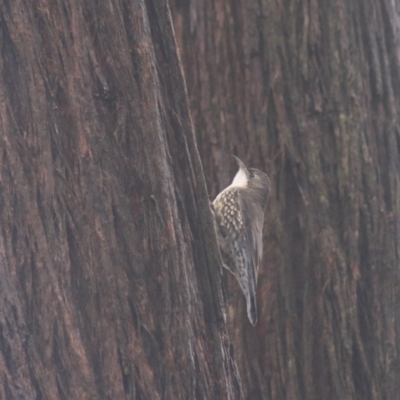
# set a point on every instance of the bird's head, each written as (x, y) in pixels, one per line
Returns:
(251, 178)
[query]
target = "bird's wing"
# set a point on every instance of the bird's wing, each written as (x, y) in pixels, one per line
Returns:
(252, 232)
(236, 219)
(251, 249)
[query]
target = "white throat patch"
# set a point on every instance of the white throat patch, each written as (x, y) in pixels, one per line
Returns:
(240, 179)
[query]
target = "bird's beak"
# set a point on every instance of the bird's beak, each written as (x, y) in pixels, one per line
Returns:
(240, 163)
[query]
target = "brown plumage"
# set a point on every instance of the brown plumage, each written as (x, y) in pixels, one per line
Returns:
(239, 211)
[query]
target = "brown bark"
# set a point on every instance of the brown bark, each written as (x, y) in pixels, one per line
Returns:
(309, 92)
(110, 273)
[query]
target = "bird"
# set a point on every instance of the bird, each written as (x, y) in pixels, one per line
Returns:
(239, 214)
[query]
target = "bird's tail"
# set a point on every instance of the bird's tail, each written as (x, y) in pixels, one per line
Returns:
(252, 305)
(245, 272)
(248, 285)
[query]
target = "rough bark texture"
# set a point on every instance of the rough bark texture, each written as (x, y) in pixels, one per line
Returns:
(309, 92)
(109, 270)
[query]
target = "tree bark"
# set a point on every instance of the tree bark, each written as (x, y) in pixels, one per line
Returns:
(307, 91)
(110, 271)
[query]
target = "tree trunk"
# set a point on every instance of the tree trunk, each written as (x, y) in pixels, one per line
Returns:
(308, 91)
(110, 272)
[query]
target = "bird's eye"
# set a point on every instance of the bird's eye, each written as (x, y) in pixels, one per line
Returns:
(252, 175)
